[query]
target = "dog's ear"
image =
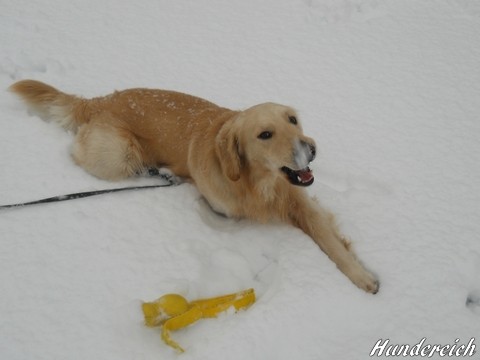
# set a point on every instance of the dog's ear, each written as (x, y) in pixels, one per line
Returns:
(228, 150)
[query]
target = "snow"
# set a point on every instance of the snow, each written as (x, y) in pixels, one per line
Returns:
(388, 89)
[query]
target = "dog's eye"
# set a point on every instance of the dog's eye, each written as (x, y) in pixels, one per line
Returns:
(265, 135)
(293, 120)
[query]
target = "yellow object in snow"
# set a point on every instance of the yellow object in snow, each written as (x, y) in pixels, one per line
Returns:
(174, 312)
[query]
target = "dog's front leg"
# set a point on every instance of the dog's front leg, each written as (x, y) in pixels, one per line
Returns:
(320, 225)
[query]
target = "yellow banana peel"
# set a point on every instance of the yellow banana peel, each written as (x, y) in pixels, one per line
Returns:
(174, 312)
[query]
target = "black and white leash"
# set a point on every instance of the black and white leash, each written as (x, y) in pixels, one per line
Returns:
(84, 194)
(162, 174)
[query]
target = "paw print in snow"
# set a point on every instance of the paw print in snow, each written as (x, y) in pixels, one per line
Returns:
(473, 301)
(23, 66)
(333, 11)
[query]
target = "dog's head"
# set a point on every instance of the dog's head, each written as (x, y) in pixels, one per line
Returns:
(266, 138)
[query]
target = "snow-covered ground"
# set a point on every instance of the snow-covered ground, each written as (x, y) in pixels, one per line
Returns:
(390, 90)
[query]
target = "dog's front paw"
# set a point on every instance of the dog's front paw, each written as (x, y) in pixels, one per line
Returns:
(367, 282)
(363, 279)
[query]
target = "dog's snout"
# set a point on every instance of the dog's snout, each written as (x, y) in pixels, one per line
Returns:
(304, 153)
(310, 149)
(313, 151)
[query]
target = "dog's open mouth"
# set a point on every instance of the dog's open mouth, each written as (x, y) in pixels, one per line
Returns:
(302, 177)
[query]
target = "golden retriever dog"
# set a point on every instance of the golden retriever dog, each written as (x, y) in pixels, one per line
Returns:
(247, 164)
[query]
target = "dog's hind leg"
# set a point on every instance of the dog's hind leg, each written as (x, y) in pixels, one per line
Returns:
(107, 151)
(162, 173)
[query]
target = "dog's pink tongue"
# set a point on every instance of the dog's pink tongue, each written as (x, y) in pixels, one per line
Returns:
(305, 175)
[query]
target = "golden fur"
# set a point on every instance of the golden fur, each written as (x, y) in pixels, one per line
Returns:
(234, 157)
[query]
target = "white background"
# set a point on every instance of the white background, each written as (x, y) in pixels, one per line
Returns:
(390, 90)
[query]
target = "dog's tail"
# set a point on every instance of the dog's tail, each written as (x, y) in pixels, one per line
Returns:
(50, 104)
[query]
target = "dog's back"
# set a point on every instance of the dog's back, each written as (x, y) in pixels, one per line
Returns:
(123, 133)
